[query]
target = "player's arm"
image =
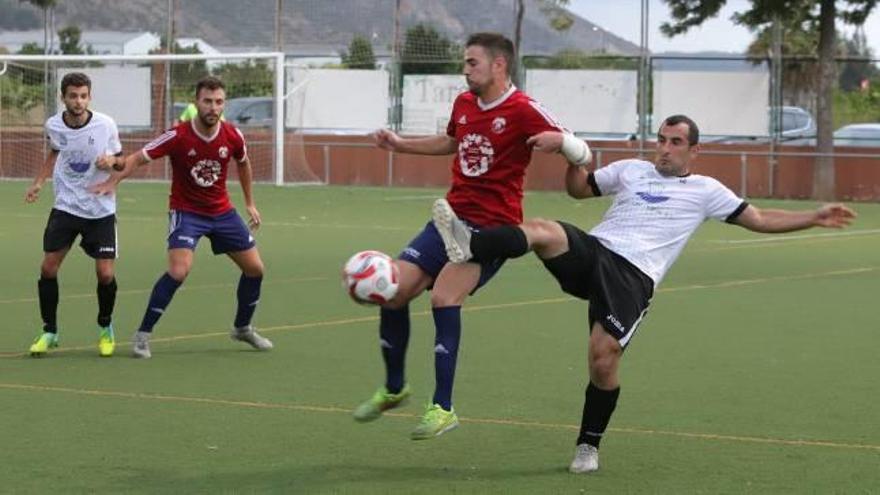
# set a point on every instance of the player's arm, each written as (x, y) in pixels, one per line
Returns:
(125, 166)
(440, 144)
(33, 192)
(833, 216)
(579, 183)
(245, 177)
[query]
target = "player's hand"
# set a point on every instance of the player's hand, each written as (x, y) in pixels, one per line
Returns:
(834, 216)
(255, 220)
(385, 139)
(547, 141)
(105, 188)
(105, 162)
(33, 193)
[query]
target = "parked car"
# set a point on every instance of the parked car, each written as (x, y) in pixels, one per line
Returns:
(251, 111)
(797, 123)
(858, 135)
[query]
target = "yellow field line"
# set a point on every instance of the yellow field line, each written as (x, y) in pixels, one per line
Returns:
(485, 307)
(484, 421)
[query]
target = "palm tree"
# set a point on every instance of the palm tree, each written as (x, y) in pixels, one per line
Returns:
(45, 5)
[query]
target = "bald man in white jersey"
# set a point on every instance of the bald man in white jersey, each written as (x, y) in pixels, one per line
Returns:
(656, 208)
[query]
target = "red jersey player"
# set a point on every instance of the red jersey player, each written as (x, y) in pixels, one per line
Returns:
(488, 131)
(200, 151)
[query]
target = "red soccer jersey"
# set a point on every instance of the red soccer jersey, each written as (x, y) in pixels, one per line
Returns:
(489, 167)
(199, 166)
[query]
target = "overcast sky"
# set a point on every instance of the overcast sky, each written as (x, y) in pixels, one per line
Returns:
(622, 17)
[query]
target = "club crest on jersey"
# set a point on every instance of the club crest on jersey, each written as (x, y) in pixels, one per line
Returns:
(223, 151)
(91, 140)
(462, 120)
(78, 162)
(206, 172)
(192, 152)
(475, 155)
(498, 125)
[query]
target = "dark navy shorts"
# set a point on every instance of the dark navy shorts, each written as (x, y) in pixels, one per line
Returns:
(227, 231)
(427, 252)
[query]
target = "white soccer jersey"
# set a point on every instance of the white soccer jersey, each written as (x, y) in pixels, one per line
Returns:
(653, 216)
(75, 170)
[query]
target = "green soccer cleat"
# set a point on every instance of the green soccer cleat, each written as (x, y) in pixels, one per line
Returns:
(380, 402)
(435, 422)
(106, 341)
(43, 343)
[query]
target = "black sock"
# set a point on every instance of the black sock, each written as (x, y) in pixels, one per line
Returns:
(48, 291)
(506, 241)
(598, 406)
(106, 301)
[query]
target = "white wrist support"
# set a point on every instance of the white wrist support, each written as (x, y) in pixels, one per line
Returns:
(575, 150)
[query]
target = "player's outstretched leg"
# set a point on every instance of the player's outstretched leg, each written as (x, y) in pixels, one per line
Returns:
(455, 233)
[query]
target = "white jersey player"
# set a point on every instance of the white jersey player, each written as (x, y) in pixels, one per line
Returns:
(84, 146)
(656, 208)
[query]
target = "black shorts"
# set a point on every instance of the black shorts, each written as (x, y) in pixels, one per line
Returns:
(619, 293)
(98, 234)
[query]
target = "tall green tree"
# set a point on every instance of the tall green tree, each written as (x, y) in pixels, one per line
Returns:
(46, 6)
(822, 14)
(426, 51)
(360, 54)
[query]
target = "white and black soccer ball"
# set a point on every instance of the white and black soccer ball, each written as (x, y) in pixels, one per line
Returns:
(370, 277)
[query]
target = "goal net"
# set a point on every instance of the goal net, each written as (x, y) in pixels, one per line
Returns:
(146, 94)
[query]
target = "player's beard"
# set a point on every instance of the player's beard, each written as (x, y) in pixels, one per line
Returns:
(209, 120)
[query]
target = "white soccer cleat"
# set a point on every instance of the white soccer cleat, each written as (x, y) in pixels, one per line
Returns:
(456, 235)
(141, 345)
(586, 459)
(249, 335)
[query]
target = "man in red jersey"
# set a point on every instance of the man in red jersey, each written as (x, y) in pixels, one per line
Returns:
(200, 151)
(488, 132)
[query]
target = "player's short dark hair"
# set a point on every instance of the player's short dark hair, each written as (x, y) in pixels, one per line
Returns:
(693, 130)
(210, 83)
(75, 79)
(497, 45)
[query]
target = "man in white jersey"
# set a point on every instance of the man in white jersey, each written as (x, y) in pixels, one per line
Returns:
(83, 146)
(656, 208)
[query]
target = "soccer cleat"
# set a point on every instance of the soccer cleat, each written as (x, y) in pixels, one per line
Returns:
(249, 334)
(106, 341)
(456, 235)
(586, 459)
(380, 402)
(435, 422)
(141, 345)
(43, 343)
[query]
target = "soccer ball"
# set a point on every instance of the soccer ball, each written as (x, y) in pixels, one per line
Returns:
(370, 277)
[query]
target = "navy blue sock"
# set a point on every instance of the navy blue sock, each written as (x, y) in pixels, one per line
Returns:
(394, 337)
(447, 321)
(161, 296)
(248, 296)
